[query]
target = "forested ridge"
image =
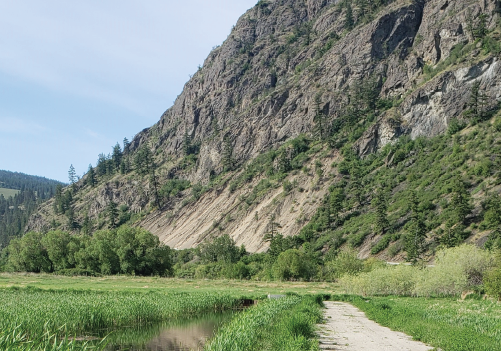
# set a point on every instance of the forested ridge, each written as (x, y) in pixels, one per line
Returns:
(16, 210)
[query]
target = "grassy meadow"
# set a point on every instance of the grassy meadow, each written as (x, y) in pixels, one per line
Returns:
(138, 284)
(8, 192)
(44, 312)
(41, 311)
(449, 324)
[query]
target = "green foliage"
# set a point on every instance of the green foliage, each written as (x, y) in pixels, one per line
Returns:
(112, 214)
(461, 201)
(447, 324)
(16, 339)
(66, 313)
(454, 126)
(143, 160)
(91, 177)
(124, 250)
(380, 206)
(20, 196)
(346, 263)
(189, 148)
(281, 324)
(492, 281)
(27, 254)
(172, 188)
(456, 270)
(382, 244)
(457, 55)
(477, 105)
(293, 265)
(415, 238)
(221, 249)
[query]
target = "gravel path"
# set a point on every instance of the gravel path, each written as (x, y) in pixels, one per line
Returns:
(348, 329)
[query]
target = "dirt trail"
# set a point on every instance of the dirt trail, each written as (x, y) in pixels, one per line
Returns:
(348, 329)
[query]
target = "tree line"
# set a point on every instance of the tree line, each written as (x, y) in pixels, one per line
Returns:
(16, 210)
(124, 250)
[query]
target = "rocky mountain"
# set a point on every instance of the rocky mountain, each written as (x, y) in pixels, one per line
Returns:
(261, 129)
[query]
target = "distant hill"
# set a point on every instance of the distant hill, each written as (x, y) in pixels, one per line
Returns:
(20, 194)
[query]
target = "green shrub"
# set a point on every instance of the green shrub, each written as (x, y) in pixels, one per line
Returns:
(293, 265)
(492, 282)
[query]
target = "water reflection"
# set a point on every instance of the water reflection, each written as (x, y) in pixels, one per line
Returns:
(181, 335)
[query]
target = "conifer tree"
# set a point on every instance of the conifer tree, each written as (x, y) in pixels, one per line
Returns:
(272, 229)
(380, 206)
(336, 199)
(126, 144)
(72, 176)
(349, 22)
(112, 214)
(101, 166)
(320, 120)
(284, 162)
(91, 177)
(477, 104)
(116, 157)
(461, 201)
(187, 144)
(415, 238)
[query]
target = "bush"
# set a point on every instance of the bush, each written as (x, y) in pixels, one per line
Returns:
(456, 270)
(293, 264)
(492, 282)
(345, 263)
(389, 280)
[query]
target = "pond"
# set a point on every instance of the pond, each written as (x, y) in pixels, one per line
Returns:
(179, 335)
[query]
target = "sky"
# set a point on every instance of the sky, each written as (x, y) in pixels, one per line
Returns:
(76, 77)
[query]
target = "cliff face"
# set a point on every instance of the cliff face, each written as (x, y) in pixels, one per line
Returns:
(283, 61)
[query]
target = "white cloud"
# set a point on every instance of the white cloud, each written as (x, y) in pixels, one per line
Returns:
(20, 126)
(115, 51)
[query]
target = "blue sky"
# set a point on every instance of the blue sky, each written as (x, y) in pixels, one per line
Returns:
(76, 77)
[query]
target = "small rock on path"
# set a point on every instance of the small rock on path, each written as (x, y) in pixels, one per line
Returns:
(348, 329)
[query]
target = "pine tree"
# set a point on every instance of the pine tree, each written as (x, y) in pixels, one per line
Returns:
(58, 198)
(126, 144)
(143, 160)
(112, 213)
(284, 162)
(380, 205)
(415, 238)
(91, 177)
(72, 176)
(272, 229)
(116, 157)
(477, 104)
(336, 199)
(86, 225)
(349, 22)
(227, 155)
(319, 120)
(70, 214)
(461, 201)
(101, 166)
(187, 144)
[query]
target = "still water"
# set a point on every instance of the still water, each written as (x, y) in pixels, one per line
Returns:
(184, 335)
